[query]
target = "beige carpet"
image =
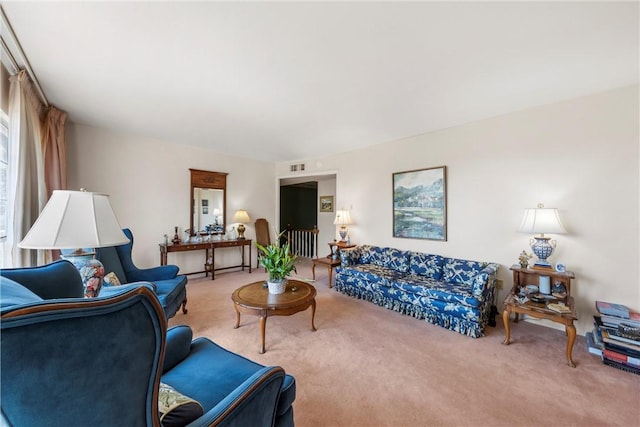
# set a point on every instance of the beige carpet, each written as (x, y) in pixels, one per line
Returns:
(369, 366)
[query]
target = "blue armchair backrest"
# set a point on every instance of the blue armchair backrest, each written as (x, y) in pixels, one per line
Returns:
(82, 362)
(117, 259)
(60, 279)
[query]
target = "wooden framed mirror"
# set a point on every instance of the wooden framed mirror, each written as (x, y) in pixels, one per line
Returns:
(208, 195)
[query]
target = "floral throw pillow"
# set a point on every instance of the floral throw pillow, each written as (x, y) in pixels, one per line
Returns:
(111, 280)
(176, 409)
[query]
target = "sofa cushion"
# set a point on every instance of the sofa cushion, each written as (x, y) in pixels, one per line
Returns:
(170, 289)
(371, 273)
(390, 258)
(461, 271)
(453, 293)
(350, 256)
(426, 265)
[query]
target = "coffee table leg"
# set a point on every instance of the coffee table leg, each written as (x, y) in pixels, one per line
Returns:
(507, 331)
(313, 314)
(263, 327)
(237, 317)
(571, 338)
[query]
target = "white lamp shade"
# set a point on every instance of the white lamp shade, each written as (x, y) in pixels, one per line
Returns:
(241, 216)
(342, 218)
(75, 219)
(541, 220)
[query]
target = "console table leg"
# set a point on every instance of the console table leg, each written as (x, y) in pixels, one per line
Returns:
(507, 331)
(571, 338)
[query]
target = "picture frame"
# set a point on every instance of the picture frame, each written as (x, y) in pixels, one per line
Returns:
(326, 203)
(205, 210)
(420, 204)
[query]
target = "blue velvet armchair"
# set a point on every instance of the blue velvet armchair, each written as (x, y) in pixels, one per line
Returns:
(169, 286)
(73, 361)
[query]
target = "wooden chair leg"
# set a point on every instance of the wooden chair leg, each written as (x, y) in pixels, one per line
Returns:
(184, 306)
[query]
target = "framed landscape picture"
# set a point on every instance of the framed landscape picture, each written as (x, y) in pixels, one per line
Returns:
(326, 203)
(420, 204)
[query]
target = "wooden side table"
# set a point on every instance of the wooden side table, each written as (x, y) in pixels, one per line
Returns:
(328, 262)
(526, 276)
(540, 311)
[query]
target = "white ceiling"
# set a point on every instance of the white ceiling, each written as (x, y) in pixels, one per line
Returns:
(289, 81)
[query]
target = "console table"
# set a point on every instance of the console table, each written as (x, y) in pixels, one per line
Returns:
(208, 247)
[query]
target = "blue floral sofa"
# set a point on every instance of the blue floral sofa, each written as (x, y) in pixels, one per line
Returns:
(454, 293)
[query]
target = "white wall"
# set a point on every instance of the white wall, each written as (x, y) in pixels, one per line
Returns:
(149, 183)
(581, 156)
(326, 187)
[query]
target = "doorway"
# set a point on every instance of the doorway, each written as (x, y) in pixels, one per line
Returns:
(299, 205)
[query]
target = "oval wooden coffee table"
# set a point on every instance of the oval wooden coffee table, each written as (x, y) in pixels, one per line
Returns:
(255, 299)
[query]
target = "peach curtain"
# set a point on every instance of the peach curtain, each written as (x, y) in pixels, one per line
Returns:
(54, 147)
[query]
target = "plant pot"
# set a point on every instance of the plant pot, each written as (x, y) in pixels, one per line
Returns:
(277, 287)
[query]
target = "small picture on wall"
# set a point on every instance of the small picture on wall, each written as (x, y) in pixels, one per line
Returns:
(420, 204)
(205, 210)
(326, 203)
(205, 202)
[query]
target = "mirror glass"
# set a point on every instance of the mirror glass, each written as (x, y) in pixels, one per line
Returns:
(207, 212)
(208, 202)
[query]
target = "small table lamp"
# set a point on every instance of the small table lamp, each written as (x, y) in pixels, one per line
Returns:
(343, 218)
(241, 216)
(73, 221)
(542, 220)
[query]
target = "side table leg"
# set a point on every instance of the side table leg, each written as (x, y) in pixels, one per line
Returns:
(313, 271)
(330, 273)
(507, 331)
(263, 327)
(571, 338)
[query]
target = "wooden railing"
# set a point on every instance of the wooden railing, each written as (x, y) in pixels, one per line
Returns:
(303, 242)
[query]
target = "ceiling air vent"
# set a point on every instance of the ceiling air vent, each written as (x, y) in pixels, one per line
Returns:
(298, 167)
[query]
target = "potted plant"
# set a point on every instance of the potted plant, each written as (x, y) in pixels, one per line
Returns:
(279, 263)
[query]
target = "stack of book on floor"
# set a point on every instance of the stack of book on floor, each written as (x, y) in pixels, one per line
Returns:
(616, 336)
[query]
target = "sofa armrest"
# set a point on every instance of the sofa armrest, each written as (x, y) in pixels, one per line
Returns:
(484, 279)
(178, 346)
(252, 403)
(162, 272)
(109, 291)
(350, 256)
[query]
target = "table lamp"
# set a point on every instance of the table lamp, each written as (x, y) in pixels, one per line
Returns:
(343, 218)
(76, 222)
(241, 216)
(542, 220)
